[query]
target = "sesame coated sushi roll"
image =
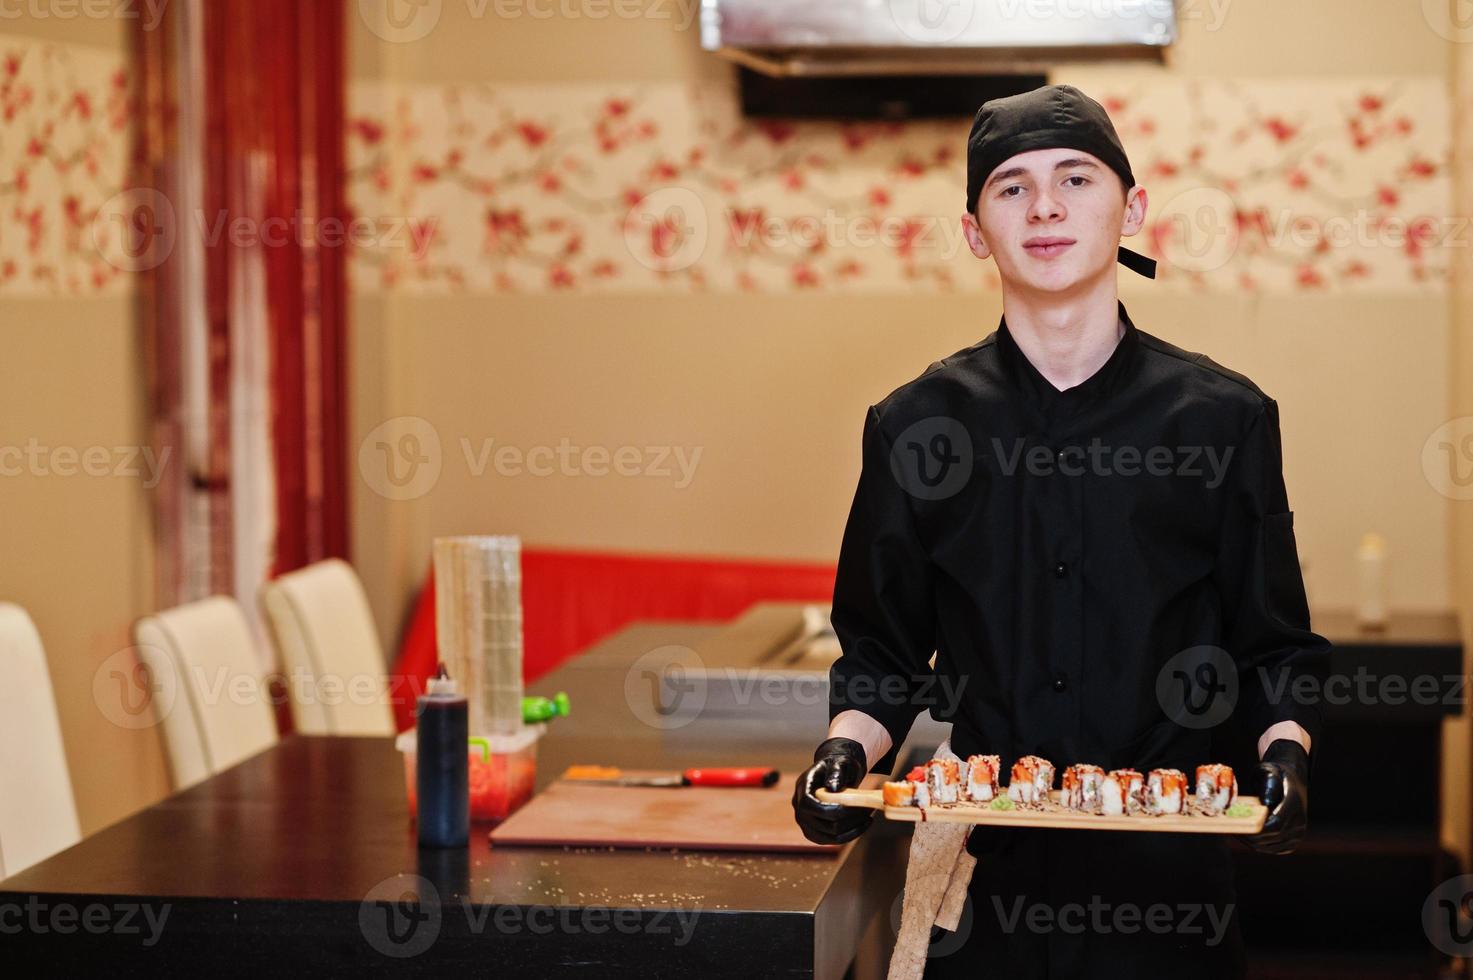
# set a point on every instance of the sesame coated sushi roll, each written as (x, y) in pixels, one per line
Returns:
(1122, 791)
(1020, 783)
(1166, 791)
(981, 781)
(944, 780)
(1217, 787)
(1082, 786)
(1032, 778)
(902, 793)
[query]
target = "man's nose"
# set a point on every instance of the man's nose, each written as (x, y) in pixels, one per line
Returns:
(1045, 207)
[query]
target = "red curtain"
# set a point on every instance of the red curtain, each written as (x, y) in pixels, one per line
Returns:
(244, 317)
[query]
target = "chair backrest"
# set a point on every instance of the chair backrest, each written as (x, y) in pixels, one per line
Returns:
(221, 712)
(38, 814)
(330, 650)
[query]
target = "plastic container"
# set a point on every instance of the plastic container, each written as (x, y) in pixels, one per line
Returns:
(503, 769)
(478, 617)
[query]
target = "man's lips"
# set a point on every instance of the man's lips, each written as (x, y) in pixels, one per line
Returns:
(1047, 246)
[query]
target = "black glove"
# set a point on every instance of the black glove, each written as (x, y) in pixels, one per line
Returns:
(1283, 786)
(839, 764)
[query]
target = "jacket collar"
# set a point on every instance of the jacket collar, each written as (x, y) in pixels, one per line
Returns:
(1110, 376)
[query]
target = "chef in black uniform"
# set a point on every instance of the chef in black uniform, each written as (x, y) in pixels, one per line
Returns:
(1089, 529)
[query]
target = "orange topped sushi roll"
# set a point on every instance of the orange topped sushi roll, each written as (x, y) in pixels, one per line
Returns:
(1122, 791)
(981, 777)
(901, 793)
(1217, 787)
(1032, 778)
(944, 780)
(1166, 791)
(1081, 786)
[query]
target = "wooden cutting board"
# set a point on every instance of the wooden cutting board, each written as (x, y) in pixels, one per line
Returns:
(568, 813)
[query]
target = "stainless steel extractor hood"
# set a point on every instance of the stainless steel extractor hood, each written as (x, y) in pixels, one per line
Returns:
(932, 37)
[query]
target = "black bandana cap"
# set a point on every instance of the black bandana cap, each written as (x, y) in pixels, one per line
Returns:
(1047, 118)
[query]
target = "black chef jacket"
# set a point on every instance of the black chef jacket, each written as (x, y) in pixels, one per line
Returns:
(1105, 574)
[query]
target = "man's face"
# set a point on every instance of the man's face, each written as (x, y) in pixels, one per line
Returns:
(1052, 219)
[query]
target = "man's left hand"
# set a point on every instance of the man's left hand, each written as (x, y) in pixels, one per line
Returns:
(1283, 786)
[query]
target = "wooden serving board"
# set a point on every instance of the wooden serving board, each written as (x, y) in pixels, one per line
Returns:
(1055, 817)
(574, 814)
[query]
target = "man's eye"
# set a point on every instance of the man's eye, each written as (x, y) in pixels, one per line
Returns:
(1008, 191)
(1079, 177)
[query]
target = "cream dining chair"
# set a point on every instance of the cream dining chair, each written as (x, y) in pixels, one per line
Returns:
(324, 631)
(221, 712)
(38, 814)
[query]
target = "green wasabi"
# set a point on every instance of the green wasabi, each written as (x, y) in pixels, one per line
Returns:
(1001, 803)
(1239, 810)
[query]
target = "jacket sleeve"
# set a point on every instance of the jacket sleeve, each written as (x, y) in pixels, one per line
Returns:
(1266, 614)
(883, 613)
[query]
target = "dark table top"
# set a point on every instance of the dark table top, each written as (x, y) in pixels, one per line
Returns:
(291, 852)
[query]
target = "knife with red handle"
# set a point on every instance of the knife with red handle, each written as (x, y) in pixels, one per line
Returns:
(705, 776)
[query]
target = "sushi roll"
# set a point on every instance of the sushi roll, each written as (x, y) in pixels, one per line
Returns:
(1082, 786)
(1166, 791)
(981, 782)
(1122, 791)
(922, 794)
(944, 780)
(1217, 787)
(1043, 776)
(902, 793)
(1032, 778)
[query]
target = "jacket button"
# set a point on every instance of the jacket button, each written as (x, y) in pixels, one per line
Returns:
(1060, 570)
(1060, 684)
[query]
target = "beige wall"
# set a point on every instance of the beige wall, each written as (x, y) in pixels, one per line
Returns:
(773, 392)
(1251, 38)
(76, 549)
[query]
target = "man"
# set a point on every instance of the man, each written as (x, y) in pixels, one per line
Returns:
(1089, 529)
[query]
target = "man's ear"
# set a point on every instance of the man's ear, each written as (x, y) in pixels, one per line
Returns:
(973, 233)
(1136, 203)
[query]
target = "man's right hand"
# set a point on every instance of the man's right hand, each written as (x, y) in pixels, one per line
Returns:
(839, 764)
